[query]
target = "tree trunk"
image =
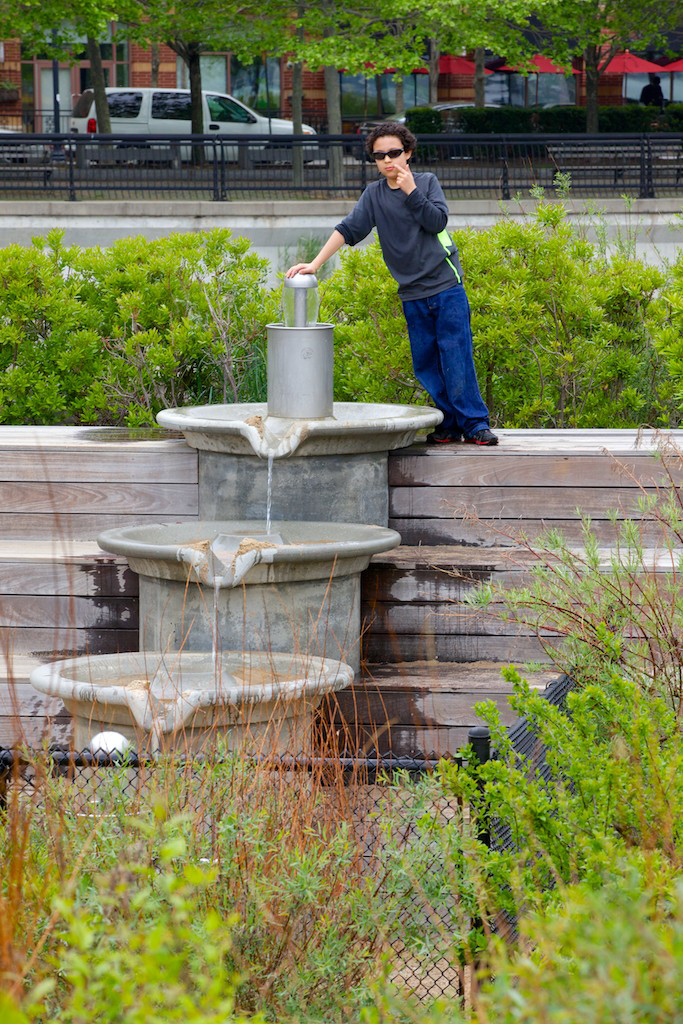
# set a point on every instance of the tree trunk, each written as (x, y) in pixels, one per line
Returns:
(434, 55)
(479, 78)
(194, 69)
(400, 103)
(195, 74)
(156, 61)
(334, 123)
(297, 107)
(297, 119)
(591, 59)
(99, 88)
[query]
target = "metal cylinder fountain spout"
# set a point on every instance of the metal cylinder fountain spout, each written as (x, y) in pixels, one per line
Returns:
(300, 355)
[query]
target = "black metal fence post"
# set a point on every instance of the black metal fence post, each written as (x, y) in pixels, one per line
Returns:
(479, 738)
(70, 154)
(505, 181)
(647, 189)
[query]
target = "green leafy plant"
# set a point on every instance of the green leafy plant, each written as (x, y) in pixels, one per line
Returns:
(114, 335)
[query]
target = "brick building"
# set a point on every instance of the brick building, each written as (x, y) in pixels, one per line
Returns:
(26, 84)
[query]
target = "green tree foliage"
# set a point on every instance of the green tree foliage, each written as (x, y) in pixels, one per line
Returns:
(598, 29)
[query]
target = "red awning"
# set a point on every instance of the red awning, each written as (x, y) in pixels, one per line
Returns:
(628, 64)
(458, 66)
(676, 66)
(543, 66)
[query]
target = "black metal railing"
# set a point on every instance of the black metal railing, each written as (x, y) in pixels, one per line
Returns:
(224, 168)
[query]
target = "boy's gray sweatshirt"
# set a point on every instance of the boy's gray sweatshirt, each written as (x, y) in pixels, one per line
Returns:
(412, 233)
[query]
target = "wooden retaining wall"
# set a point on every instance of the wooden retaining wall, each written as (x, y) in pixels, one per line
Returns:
(429, 656)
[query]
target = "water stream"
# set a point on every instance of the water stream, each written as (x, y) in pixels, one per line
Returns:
(269, 492)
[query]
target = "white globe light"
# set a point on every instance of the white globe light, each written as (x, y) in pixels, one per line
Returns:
(109, 743)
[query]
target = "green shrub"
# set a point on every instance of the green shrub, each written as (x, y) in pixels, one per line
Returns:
(481, 121)
(563, 334)
(113, 335)
(239, 889)
(424, 121)
(371, 351)
(631, 117)
(554, 120)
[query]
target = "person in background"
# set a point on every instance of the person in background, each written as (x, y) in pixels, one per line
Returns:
(410, 213)
(652, 95)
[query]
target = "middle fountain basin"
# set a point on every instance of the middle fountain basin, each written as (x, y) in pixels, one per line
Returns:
(299, 596)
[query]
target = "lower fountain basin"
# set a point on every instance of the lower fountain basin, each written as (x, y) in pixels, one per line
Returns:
(301, 595)
(257, 702)
(247, 429)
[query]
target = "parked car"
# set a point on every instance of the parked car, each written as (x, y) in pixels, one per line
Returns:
(14, 151)
(167, 112)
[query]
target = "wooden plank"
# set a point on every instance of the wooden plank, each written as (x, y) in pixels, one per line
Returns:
(49, 644)
(112, 464)
(440, 618)
(570, 441)
(375, 708)
(23, 700)
(406, 740)
(65, 612)
(88, 579)
(459, 558)
(495, 532)
(34, 732)
(492, 502)
(57, 549)
(74, 526)
(92, 438)
(411, 468)
(97, 497)
(430, 585)
(393, 648)
(449, 677)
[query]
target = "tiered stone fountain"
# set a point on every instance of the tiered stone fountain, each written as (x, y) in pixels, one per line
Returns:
(246, 622)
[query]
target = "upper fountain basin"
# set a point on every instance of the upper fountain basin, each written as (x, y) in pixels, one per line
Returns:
(247, 429)
(227, 553)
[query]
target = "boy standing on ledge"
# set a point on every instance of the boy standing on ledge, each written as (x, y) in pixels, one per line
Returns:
(410, 213)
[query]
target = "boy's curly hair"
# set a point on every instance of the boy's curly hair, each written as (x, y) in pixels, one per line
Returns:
(408, 140)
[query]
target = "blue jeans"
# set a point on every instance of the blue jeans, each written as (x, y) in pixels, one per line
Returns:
(441, 347)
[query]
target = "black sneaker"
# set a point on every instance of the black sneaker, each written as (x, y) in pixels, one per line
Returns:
(483, 436)
(442, 436)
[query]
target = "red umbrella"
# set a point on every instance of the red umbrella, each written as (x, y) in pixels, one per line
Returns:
(628, 64)
(676, 66)
(543, 65)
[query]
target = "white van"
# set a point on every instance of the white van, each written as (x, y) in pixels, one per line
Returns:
(167, 112)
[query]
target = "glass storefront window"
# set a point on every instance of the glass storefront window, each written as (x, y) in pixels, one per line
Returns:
(214, 73)
(415, 92)
(506, 89)
(363, 97)
(248, 83)
(359, 96)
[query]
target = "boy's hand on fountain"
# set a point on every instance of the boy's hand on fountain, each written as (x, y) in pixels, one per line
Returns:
(301, 268)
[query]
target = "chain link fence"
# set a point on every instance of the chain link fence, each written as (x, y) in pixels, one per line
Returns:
(385, 801)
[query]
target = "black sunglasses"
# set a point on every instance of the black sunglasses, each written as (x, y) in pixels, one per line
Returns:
(391, 153)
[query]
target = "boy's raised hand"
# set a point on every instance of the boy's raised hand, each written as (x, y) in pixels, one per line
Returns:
(405, 180)
(301, 268)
